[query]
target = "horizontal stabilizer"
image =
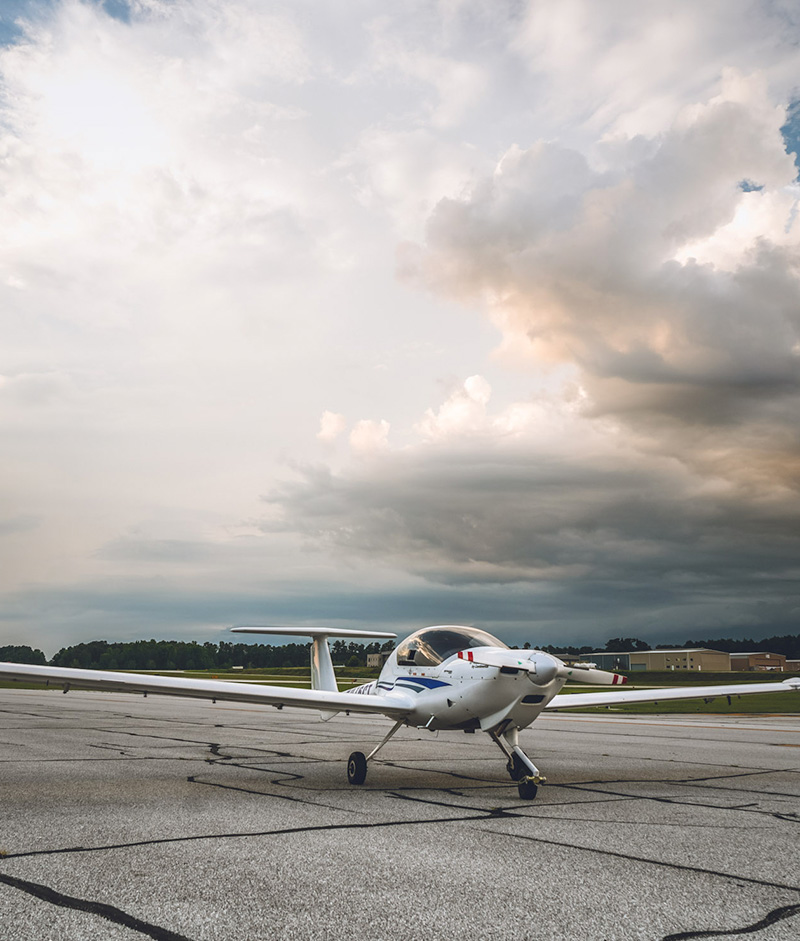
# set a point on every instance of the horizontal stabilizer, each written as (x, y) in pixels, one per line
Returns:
(309, 631)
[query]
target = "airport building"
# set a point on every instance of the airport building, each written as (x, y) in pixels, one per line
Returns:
(690, 658)
(760, 660)
(377, 660)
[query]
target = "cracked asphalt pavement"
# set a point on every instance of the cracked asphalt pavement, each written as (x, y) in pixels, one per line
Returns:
(127, 817)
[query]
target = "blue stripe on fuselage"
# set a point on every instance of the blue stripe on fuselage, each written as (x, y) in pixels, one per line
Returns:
(418, 683)
(421, 681)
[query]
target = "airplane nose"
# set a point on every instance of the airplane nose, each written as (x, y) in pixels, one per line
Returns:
(546, 670)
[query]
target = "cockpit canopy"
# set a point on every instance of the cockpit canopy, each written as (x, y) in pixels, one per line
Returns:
(433, 645)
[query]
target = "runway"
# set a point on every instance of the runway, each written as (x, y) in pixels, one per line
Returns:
(127, 817)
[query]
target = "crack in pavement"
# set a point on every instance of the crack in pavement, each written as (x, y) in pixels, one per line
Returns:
(492, 812)
(322, 828)
(276, 782)
(692, 781)
(109, 912)
(741, 808)
(284, 778)
(681, 867)
(535, 814)
(778, 914)
(246, 790)
(735, 790)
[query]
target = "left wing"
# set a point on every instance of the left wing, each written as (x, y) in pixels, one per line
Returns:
(575, 700)
(396, 705)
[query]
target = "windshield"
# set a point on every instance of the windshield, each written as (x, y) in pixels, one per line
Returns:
(434, 645)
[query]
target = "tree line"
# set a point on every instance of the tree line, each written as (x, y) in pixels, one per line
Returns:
(786, 644)
(189, 655)
(183, 655)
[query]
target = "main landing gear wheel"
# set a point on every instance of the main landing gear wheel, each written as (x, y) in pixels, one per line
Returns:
(357, 768)
(527, 788)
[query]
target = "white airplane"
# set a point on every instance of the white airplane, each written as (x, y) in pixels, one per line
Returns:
(446, 677)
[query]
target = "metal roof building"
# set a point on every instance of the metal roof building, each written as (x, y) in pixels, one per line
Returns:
(688, 658)
(760, 660)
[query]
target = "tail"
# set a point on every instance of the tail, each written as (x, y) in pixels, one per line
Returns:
(322, 675)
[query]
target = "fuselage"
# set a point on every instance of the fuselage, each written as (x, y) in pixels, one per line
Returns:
(436, 671)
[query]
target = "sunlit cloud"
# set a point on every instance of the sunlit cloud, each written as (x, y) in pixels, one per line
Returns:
(331, 425)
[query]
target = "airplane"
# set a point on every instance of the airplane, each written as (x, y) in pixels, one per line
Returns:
(446, 677)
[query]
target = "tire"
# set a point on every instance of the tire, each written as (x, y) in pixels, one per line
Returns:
(527, 790)
(357, 768)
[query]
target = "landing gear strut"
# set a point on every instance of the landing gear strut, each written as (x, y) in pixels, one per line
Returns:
(357, 762)
(520, 767)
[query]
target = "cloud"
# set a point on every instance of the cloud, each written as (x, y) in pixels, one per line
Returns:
(576, 405)
(464, 411)
(406, 172)
(369, 437)
(639, 66)
(567, 512)
(331, 425)
(593, 268)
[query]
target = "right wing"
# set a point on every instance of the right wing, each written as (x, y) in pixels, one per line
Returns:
(582, 700)
(395, 705)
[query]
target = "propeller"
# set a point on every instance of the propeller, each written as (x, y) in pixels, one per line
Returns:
(588, 673)
(543, 666)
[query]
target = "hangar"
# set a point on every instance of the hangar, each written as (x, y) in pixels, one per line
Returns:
(689, 658)
(760, 660)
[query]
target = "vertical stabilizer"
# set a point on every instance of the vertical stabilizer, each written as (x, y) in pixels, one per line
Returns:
(322, 673)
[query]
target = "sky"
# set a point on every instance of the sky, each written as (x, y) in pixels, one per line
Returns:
(386, 315)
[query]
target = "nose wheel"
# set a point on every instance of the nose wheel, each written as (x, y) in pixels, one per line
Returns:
(527, 789)
(516, 768)
(519, 766)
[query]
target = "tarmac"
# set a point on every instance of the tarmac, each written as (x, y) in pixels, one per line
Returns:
(126, 817)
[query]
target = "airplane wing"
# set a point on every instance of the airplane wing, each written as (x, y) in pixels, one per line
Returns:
(582, 700)
(395, 705)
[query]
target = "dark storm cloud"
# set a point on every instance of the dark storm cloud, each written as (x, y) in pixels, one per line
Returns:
(493, 515)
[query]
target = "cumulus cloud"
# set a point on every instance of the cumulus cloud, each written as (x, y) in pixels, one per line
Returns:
(369, 437)
(331, 425)
(592, 268)
(566, 504)
(663, 271)
(463, 412)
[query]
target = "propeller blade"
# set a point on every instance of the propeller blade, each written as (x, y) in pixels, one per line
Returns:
(580, 673)
(543, 666)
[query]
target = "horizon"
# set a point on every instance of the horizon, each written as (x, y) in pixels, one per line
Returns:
(350, 642)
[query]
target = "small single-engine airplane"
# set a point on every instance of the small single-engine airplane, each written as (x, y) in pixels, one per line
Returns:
(446, 677)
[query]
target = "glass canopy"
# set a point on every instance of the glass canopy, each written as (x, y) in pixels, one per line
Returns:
(433, 645)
